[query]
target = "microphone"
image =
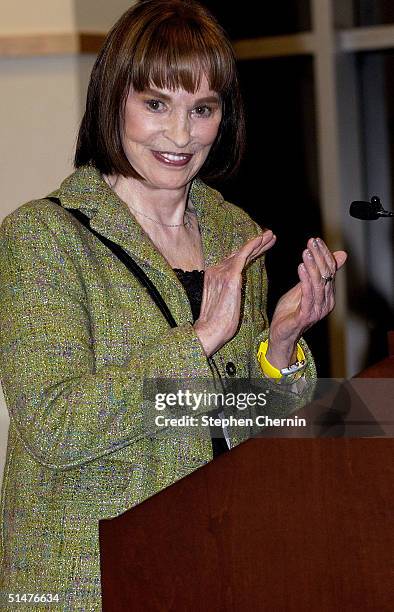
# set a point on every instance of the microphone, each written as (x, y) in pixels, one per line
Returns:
(369, 211)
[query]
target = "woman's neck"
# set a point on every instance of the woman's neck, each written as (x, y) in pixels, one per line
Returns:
(175, 234)
(166, 206)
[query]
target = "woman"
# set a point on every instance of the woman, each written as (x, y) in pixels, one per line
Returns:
(79, 334)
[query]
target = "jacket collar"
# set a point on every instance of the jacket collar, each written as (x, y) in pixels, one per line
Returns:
(87, 191)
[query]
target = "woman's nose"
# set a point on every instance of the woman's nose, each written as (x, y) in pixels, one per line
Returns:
(178, 130)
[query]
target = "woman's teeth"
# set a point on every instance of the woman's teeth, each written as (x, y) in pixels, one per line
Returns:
(174, 156)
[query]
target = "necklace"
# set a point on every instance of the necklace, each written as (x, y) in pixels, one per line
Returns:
(186, 223)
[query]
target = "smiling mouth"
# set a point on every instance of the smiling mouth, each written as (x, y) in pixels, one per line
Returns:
(173, 159)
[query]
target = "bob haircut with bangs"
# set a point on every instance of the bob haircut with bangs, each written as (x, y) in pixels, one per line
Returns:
(168, 44)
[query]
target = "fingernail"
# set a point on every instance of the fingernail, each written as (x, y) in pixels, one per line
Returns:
(308, 254)
(314, 243)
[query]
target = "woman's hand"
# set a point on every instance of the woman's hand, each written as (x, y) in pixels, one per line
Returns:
(221, 299)
(306, 303)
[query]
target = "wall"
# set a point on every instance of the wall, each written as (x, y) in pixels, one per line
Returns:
(27, 17)
(98, 15)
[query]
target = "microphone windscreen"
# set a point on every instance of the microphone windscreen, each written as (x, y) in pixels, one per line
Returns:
(364, 211)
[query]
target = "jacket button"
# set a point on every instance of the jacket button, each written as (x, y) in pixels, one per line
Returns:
(230, 368)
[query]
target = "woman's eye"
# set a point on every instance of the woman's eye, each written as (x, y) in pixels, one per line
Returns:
(203, 111)
(154, 105)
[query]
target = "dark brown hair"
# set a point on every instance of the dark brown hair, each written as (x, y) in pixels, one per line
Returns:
(168, 44)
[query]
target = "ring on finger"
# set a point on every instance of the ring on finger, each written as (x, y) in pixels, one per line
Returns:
(327, 278)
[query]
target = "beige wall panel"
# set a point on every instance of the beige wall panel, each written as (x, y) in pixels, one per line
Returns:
(40, 112)
(28, 16)
(99, 15)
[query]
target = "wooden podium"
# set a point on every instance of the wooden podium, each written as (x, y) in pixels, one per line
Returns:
(276, 525)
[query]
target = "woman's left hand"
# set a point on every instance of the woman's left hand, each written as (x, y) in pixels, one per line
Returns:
(306, 303)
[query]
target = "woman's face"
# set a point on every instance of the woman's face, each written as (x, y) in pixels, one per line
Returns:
(168, 134)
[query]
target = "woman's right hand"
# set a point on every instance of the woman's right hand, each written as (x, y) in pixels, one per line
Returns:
(221, 299)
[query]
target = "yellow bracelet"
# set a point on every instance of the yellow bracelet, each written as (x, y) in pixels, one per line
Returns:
(269, 370)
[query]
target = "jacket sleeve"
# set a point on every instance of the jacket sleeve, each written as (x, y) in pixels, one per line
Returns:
(67, 412)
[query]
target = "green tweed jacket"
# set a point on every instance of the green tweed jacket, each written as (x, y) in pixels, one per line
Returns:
(78, 336)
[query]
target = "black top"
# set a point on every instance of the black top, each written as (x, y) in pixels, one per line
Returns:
(193, 282)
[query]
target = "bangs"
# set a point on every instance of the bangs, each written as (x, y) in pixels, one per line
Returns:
(176, 55)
